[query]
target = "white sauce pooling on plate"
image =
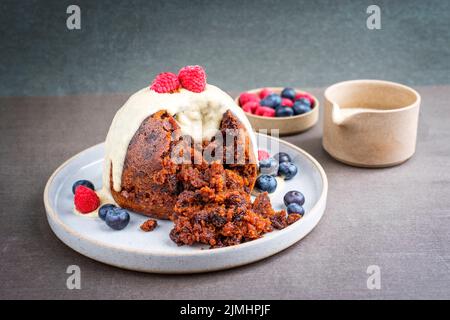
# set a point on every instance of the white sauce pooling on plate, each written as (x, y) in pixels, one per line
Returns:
(198, 115)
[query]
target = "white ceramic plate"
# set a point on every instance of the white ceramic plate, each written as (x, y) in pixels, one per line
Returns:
(133, 249)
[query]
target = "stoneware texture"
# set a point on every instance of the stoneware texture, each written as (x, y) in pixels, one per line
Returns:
(285, 125)
(370, 123)
(133, 249)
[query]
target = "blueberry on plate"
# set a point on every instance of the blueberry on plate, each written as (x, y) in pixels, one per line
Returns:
(288, 93)
(282, 157)
(284, 112)
(287, 170)
(103, 210)
(85, 183)
(294, 196)
(300, 108)
(272, 100)
(295, 208)
(266, 183)
(268, 166)
(117, 218)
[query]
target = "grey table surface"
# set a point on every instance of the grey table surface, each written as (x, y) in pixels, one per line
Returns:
(396, 218)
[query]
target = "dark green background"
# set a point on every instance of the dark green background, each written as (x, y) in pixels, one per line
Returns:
(242, 44)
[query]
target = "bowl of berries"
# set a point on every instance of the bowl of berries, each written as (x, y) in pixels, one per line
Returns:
(287, 109)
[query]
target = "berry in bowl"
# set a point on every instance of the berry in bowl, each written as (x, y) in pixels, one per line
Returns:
(289, 110)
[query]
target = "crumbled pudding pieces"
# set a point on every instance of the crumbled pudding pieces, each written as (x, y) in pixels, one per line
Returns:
(149, 225)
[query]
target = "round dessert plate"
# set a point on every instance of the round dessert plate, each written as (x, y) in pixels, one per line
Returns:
(134, 249)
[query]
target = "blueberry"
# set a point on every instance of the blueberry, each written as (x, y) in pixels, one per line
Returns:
(282, 157)
(117, 218)
(288, 93)
(295, 208)
(300, 108)
(85, 183)
(268, 166)
(104, 210)
(287, 170)
(266, 183)
(284, 112)
(304, 101)
(294, 197)
(272, 100)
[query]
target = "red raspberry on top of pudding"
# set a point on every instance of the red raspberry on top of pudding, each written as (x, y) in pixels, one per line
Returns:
(192, 78)
(166, 82)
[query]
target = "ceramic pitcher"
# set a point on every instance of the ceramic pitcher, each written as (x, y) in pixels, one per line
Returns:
(370, 123)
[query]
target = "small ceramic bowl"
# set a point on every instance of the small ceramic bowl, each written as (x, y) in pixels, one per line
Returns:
(285, 125)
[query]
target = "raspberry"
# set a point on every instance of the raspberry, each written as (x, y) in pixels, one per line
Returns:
(165, 82)
(262, 111)
(251, 106)
(269, 112)
(259, 111)
(85, 199)
(246, 97)
(299, 95)
(262, 155)
(247, 108)
(285, 102)
(305, 95)
(264, 93)
(192, 78)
